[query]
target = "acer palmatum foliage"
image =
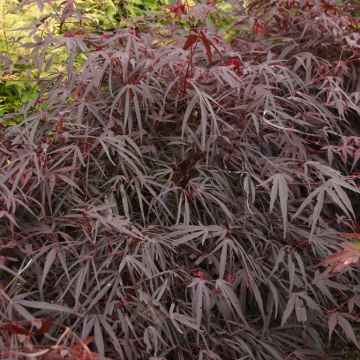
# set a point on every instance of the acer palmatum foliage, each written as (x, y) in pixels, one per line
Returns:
(173, 193)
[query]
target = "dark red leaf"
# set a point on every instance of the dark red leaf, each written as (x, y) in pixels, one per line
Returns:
(14, 329)
(45, 326)
(190, 41)
(235, 62)
(208, 49)
(83, 343)
(180, 8)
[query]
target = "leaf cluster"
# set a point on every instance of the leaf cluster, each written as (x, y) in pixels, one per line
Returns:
(170, 195)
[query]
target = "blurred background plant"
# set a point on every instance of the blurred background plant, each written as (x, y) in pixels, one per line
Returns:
(19, 82)
(16, 85)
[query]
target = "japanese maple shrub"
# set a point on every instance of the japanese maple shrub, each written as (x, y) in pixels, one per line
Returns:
(187, 190)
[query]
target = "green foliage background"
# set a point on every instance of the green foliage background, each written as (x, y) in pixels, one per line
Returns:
(15, 81)
(21, 83)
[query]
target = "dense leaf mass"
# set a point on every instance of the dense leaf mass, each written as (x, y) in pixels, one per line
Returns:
(172, 196)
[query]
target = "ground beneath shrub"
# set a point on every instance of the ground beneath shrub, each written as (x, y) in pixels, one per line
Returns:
(341, 350)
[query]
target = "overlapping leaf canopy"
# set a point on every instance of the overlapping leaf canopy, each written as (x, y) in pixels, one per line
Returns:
(173, 195)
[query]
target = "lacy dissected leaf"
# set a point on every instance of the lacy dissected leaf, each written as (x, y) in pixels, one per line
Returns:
(183, 182)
